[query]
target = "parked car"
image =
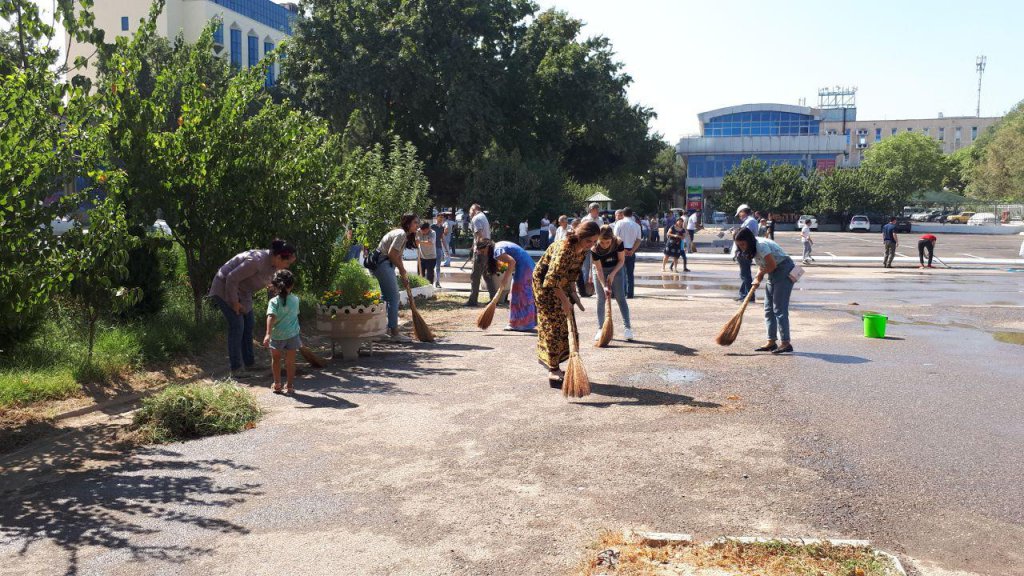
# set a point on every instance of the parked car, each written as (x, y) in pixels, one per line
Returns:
(960, 218)
(926, 216)
(718, 218)
(813, 219)
(61, 225)
(860, 222)
(982, 219)
(903, 224)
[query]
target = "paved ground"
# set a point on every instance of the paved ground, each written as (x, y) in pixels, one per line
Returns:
(456, 458)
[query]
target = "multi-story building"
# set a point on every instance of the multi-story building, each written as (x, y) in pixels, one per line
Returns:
(247, 29)
(951, 132)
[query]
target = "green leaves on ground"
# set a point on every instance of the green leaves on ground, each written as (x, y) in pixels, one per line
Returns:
(196, 411)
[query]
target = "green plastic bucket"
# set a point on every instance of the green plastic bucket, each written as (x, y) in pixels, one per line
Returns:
(874, 325)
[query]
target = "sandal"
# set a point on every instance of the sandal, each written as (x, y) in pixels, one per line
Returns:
(275, 388)
(555, 379)
(289, 390)
(769, 347)
(784, 349)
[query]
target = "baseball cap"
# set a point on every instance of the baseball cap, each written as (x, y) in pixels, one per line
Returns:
(741, 208)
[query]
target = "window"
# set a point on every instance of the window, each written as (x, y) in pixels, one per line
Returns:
(957, 133)
(942, 133)
(268, 47)
(974, 133)
(926, 129)
(124, 23)
(893, 132)
(878, 134)
(254, 50)
(218, 34)
(910, 128)
(236, 48)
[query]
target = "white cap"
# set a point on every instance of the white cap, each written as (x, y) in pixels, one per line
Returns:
(741, 208)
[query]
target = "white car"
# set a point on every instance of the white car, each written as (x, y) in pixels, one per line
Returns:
(860, 222)
(805, 217)
(718, 218)
(61, 225)
(982, 219)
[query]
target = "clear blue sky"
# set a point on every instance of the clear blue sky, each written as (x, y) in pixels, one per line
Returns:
(908, 58)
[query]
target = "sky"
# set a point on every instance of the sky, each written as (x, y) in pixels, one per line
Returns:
(907, 58)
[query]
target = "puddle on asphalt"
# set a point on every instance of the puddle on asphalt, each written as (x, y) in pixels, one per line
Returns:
(891, 322)
(670, 375)
(1010, 337)
(673, 284)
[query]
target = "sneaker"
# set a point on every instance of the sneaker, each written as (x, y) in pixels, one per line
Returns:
(400, 338)
(629, 335)
(471, 304)
(597, 336)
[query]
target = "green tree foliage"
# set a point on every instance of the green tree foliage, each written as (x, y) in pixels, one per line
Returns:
(960, 169)
(747, 183)
(841, 192)
(998, 170)
(900, 167)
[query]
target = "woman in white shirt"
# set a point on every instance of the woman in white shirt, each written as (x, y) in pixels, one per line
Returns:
(563, 228)
(774, 263)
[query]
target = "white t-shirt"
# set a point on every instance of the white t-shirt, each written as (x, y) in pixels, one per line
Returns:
(805, 233)
(481, 225)
(628, 231)
(589, 218)
(560, 232)
(524, 228)
(394, 240)
(691, 222)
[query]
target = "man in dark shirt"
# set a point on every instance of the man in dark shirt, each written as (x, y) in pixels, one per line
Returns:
(890, 240)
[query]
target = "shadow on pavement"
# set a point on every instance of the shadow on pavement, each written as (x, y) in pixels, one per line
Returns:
(677, 349)
(321, 399)
(72, 494)
(377, 374)
(630, 396)
(833, 358)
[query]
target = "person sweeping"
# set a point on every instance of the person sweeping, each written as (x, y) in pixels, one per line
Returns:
(519, 274)
(773, 262)
(609, 258)
(553, 280)
(926, 243)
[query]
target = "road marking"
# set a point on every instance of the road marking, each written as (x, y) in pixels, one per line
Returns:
(902, 255)
(971, 256)
(830, 254)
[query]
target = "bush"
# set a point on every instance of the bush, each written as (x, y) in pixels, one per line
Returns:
(351, 285)
(147, 270)
(196, 411)
(26, 386)
(417, 281)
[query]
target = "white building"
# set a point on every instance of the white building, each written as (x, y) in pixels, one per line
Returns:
(249, 29)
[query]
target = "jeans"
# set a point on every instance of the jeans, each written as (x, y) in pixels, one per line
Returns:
(618, 292)
(807, 250)
(923, 245)
(480, 271)
(239, 335)
(385, 274)
(581, 280)
(448, 253)
(628, 268)
(890, 253)
(776, 301)
(522, 241)
(746, 278)
(544, 240)
(429, 265)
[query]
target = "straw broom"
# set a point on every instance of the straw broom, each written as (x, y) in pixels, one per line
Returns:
(310, 356)
(483, 321)
(607, 330)
(419, 325)
(575, 384)
(732, 328)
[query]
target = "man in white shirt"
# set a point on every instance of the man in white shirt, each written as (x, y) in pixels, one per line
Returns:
(805, 239)
(629, 232)
(524, 232)
(743, 213)
(691, 229)
(545, 232)
(481, 230)
(584, 283)
(561, 229)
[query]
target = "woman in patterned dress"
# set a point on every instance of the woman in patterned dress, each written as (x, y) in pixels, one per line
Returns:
(553, 282)
(522, 310)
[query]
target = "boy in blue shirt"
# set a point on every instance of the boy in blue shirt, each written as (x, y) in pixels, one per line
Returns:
(890, 240)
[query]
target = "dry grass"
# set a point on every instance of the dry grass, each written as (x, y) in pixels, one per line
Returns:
(616, 555)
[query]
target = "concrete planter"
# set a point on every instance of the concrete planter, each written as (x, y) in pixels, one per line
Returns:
(349, 327)
(421, 292)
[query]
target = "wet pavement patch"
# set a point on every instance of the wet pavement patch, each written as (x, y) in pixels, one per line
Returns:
(668, 375)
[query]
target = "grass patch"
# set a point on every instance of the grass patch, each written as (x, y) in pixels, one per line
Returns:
(18, 387)
(615, 554)
(195, 411)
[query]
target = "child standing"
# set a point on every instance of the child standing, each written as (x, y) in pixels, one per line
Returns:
(805, 237)
(283, 329)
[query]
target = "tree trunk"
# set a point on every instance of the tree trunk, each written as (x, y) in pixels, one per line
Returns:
(92, 334)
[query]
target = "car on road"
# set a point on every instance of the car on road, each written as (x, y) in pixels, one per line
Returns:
(718, 218)
(960, 218)
(982, 219)
(813, 219)
(860, 222)
(903, 224)
(926, 216)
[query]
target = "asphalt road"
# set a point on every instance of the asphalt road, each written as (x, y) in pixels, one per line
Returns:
(456, 458)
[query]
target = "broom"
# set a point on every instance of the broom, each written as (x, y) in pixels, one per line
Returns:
(483, 321)
(575, 384)
(732, 328)
(310, 356)
(419, 325)
(607, 330)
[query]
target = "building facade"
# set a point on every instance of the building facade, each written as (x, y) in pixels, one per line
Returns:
(951, 132)
(248, 30)
(775, 133)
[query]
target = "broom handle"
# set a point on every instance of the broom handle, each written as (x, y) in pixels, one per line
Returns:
(746, 300)
(573, 335)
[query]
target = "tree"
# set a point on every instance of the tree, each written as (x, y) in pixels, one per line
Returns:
(999, 172)
(786, 185)
(901, 167)
(747, 183)
(841, 192)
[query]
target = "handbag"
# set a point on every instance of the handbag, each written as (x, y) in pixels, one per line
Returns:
(796, 273)
(372, 260)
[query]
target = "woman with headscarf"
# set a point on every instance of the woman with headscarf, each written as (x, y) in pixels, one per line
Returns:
(519, 273)
(553, 281)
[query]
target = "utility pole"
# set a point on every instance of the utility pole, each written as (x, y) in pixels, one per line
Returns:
(980, 66)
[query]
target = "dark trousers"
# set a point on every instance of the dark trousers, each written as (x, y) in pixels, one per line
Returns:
(746, 278)
(429, 265)
(544, 240)
(630, 265)
(239, 335)
(581, 280)
(923, 245)
(480, 271)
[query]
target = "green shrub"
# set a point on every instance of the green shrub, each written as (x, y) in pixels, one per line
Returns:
(417, 281)
(27, 386)
(195, 411)
(148, 271)
(353, 281)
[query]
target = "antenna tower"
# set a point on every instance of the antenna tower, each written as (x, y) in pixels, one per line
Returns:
(979, 64)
